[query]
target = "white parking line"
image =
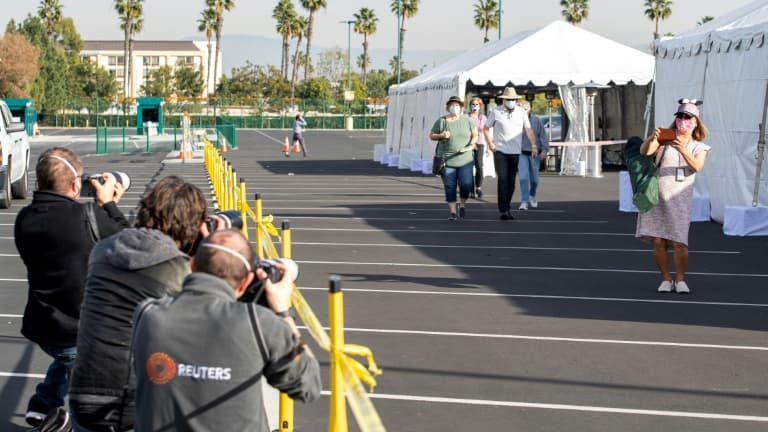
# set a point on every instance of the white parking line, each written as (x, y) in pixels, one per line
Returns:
(539, 296)
(536, 221)
(555, 339)
(565, 407)
(460, 231)
(425, 246)
(21, 375)
(501, 267)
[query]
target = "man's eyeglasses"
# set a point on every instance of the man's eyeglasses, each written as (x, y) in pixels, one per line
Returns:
(682, 115)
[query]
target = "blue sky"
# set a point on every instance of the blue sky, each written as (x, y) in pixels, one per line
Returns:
(440, 24)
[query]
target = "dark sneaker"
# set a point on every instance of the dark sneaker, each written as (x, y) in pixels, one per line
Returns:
(34, 418)
(462, 212)
(506, 216)
(452, 217)
(479, 193)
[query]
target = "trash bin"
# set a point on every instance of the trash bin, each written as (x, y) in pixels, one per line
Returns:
(349, 123)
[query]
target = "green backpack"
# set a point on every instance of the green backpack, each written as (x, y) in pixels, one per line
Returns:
(642, 175)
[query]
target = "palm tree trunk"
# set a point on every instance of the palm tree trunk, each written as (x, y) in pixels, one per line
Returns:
(125, 62)
(365, 56)
(129, 60)
(208, 71)
(309, 45)
(285, 55)
(485, 39)
(219, 25)
(295, 67)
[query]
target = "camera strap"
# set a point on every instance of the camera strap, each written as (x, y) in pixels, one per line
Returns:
(90, 219)
(257, 333)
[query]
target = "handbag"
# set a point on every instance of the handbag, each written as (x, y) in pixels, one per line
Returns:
(642, 173)
(438, 165)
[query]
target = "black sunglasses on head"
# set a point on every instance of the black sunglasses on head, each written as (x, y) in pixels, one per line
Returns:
(682, 115)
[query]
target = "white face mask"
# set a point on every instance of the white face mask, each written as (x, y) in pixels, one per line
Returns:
(454, 109)
(510, 104)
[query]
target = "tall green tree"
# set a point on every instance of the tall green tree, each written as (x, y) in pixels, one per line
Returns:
(50, 88)
(93, 85)
(159, 84)
(50, 12)
(407, 9)
(365, 24)
(220, 6)
(299, 28)
(332, 65)
(130, 14)
(207, 24)
(312, 6)
(285, 15)
(657, 10)
(575, 11)
(487, 16)
(187, 81)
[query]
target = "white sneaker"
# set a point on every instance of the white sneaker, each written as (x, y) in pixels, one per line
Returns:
(665, 287)
(523, 206)
(682, 287)
(533, 202)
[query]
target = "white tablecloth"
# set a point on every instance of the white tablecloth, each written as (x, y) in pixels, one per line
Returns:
(745, 221)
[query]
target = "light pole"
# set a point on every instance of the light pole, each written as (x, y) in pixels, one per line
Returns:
(399, 9)
(500, 19)
(349, 52)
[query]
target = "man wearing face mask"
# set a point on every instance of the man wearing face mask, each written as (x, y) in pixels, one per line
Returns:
(509, 122)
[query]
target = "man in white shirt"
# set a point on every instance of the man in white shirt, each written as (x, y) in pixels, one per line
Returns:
(508, 121)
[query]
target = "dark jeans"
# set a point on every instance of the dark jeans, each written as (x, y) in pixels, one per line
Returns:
(506, 173)
(479, 165)
(297, 137)
(461, 176)
(50, 393)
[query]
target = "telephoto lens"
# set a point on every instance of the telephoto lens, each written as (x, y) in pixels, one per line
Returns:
(88, 190)
(224, 219)
(255, 291)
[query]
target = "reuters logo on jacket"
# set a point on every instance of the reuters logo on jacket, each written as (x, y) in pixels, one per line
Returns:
(161, 369)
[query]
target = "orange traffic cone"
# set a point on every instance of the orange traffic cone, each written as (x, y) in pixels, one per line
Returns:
(286, 147)
(296, 147)
(223, 146)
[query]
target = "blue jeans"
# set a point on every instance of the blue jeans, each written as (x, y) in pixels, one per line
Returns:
(50, 393)
(461, 176)
(529, 176)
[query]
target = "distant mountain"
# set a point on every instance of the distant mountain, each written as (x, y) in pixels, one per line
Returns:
(260, 50)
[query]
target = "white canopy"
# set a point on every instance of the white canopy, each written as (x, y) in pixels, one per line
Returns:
(724, 63)
(557, 54)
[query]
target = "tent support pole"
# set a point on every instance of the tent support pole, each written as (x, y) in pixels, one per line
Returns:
(760, 149)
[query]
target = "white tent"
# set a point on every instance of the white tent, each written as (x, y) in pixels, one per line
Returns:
(556, 55)
(724, 63)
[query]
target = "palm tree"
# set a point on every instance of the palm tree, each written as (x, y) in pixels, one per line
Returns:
(284, 13)
(219, 6)
(131, 22)
(575, 11)
(487, 16)
(50, 12)
(408, 8)
(299, 26)
(312, 6)
(207, 23)
(657, 10)
(365, 24)
(705, 19)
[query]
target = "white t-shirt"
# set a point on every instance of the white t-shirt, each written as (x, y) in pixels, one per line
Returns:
(508, 128)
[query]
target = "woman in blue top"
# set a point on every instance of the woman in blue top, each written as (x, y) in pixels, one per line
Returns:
(456, 137)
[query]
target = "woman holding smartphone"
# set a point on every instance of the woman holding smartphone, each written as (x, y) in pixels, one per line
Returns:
(678, 160)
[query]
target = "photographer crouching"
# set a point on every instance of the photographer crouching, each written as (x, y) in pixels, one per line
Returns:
(199, 357)
(54, 236)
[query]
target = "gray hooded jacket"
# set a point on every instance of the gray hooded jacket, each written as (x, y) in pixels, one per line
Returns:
(123, 271)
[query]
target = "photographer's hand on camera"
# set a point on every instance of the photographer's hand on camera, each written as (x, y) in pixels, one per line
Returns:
(108, 191)
(279, 293)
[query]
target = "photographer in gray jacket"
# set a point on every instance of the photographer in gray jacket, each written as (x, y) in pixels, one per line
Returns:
(199, 357)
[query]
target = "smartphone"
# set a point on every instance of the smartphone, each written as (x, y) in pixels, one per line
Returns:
(666, 134)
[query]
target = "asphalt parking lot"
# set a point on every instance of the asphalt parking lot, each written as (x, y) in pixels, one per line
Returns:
(549, 322)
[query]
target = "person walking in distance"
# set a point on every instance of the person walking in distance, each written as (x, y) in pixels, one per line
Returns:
(529, 165)
(298, 134)
(476, 114)
(668, 222)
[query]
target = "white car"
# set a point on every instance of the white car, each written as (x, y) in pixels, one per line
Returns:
(14, 158)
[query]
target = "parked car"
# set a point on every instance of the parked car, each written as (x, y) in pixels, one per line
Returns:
(14, 158)
(557, 122)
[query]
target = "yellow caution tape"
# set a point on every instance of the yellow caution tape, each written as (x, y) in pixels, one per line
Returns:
(365, 413)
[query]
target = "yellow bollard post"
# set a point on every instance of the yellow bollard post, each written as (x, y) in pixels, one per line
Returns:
(337, 421)
(242, 207)
(257, 210)
(286, 403)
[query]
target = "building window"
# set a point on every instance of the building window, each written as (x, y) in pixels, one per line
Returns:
(151, 60)
(187, 60)
(116, 60)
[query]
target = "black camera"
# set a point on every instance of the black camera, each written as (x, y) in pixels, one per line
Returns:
(255, 290)
(223, 220)
(89, 191)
